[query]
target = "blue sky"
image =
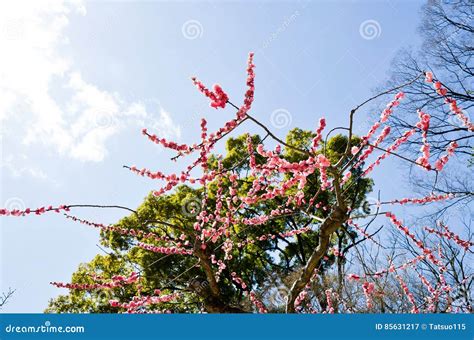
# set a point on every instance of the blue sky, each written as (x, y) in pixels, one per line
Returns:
(80, 80)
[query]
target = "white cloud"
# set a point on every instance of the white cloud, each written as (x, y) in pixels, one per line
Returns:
(17, 169)
(164, 120)
(76, 124)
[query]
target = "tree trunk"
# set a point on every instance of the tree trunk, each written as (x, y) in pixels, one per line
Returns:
(335, 220)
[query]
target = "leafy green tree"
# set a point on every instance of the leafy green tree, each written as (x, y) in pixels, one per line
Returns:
(171, 216)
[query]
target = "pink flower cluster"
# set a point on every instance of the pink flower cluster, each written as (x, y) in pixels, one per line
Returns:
(295, 232)
(122, 231)
(38, 211)
(208, 144)
(203, 129)
(435, 293)
(319, 133)
(322, 164)
(165, 250)
(259, 304)
(426, 283)
(424, 122)
(337, 253)
(346, 177)
(390, 269)
(423, 200)
(424, 125)
(441, 162)
(385, 114)
(442, 91)
(253, 298)
(117, 281)
(330, 307)
(368, 288)
(383, 118)
(220, 265)
(429, 77)
(304, 293)
(170, 145)
(362, 231)
(370, 148)
(300, 298)
(354, 277)
(448, 234)
(408, 294)
(273, 177)
(394, 146)
(238, 280)
(262, 188)
(143, 301)
(250, 88)
(158, 174)
(218, 97)
(426, 251)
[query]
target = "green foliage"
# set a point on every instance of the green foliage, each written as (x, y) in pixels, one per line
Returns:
(96, 301)
(172, 216)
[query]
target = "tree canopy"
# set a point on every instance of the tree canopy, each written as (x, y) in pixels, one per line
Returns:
(280, 225)
(260, 262)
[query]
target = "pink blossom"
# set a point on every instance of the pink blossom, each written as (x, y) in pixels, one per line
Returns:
(394, 146)
(441, 162)
(370, 148)
(300, 298)
(165, 250)
(37, 211)
(319, 136)
(448, 234)
(218, 97)
(423, 200)
(455, 110)
(428, 77)
(117, 281)
(409, 295)
(368, 288)
(353, 277)
(329, 308)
